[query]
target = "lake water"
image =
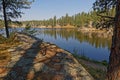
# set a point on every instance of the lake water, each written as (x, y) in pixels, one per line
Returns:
(94, 46)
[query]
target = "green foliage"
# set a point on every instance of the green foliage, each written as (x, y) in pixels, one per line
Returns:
(104, 5)
(82, 56)
(106, 10)
(11, 40)
(29, 30)
(13, 7)
(78, 20)
(27, 27)
(98, 74)
(11, 23)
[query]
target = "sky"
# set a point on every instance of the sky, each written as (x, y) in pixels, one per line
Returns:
(45, 9)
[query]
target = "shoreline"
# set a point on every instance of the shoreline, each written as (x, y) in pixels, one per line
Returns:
(41, 56)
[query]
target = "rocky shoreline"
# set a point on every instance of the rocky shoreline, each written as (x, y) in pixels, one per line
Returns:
(34, 59)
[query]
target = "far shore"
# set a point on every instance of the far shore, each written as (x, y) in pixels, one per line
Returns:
(83, 29)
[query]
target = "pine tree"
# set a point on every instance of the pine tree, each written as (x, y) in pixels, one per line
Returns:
(12, 9)
(113, 72)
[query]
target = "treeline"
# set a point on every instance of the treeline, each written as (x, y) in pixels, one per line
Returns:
(90, 19)
(10, 23)
(78, 20)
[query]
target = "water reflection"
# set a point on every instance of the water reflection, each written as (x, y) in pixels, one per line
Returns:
(93, 45)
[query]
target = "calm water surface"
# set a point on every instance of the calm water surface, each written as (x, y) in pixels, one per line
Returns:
(94, 46)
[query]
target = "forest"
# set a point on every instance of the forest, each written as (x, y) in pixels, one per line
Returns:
(83, 19)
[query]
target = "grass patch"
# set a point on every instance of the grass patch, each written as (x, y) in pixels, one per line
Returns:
(9, 40)
(4, 56)
(98, 74)
(6, 43)
(104, 62)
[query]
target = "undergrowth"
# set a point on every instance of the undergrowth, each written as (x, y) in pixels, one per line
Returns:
(98, 74)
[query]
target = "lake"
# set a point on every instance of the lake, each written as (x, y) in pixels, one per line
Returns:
(92, 45)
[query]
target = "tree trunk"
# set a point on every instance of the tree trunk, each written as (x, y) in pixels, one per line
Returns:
(113, 72)
(5, 19)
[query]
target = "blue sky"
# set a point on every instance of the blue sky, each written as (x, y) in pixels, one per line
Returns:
(45, 9)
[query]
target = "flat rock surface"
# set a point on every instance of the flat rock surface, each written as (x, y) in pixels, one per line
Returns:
(37, 60)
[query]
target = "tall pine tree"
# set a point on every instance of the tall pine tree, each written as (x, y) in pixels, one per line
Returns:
(12, 9)
(113, 72)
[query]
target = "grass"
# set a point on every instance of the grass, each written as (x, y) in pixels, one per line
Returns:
(98, 74)
(10, 40)
(6, 43)
(82, 56)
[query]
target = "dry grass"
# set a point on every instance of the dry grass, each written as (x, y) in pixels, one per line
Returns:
(4, 56)
(5, 44)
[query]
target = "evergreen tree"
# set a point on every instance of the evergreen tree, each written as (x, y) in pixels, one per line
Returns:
(12, 9)
(113, 72)
(54, 21)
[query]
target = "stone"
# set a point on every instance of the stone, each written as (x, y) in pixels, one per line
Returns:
(59, 54)
(57, 67)
(58, 77)
(30, 75)
(83, 73)
(11, 64)
(3, 62)
(16, 58)
(56, 60)
(74, 73)
(53, 46)
(15, 53)
(56, 64)
(59, 50)
(46, 61)
(50, 53)
(3, 74)
(39, 55)
(86, 78)
(11, 50)
(38, 67)
(2, 70)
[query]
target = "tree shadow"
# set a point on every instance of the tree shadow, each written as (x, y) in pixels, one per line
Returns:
(22, 66)
(43, 62)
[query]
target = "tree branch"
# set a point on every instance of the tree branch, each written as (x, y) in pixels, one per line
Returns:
(106, 16)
